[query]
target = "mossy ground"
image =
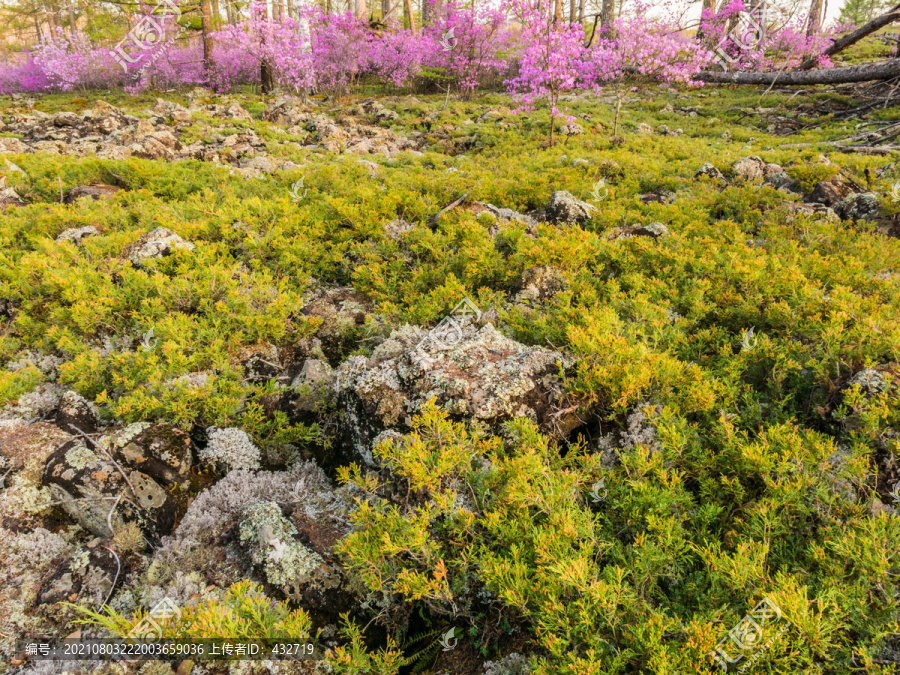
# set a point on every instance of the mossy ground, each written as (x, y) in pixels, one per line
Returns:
(742, 500)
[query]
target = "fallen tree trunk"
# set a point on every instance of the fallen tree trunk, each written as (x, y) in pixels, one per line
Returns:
(872, 71)
(878, 22)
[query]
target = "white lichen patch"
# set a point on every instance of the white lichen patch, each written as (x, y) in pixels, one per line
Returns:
(80, 456)
(231, 447)
(273, 547)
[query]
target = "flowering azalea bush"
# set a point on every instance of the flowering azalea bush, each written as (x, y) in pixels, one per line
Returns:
(463, 45)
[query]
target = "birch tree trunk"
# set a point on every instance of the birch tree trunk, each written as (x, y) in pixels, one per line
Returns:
(814, 20)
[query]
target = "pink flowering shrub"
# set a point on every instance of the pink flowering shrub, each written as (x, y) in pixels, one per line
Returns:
(467, 44)
(21, 73)
(74, 63)
(464, 46)
(550, 58)
(785, 46)
(242, 48)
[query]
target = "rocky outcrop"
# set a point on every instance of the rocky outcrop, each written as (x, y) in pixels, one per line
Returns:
(158, 243)
(95, 192)
(283, 524)
(470, 371)
(103, 497)
(563, 207)
(76, 234)
(829, 192)
(76, 412)
(158, 450)
(749, 168)
(9, 197)
(707, 170)
(655, 230)
(857, 207)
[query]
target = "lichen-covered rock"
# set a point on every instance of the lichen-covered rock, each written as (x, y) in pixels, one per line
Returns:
(504, 215)
(302, 509)
(261, 362)
(41, 403)
(813, 210)
(830, 192)
(158, 450)
(312, 387)
(76, 411)
(782, 181)
(343, 311)
(156, 244)
(86, 575)
(88, 484)
(749, 168)
(275, 546)
(24, 449)
(76, 234)
(644, 129)
(659, 197)
(564, 207)
(472, 372)
(540, 283)
(857, 207)
(709, 171)
(654, 230)
(95, 192)
(9, 197)
(12, 146)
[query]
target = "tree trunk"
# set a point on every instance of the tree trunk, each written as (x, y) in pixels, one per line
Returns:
(873, 71)
(361, 11)
(229, 11)
(426, 13)
(890, 16)
(573, 11)
(707, 5)
(814, 20)
(607, 16)
(37, 29)
(557, 11)
(216, 14)
(73, 22)
(266, 82)
(581, 11)
(206, 29)
(52, 24)
(408, 8)
(385, 8)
